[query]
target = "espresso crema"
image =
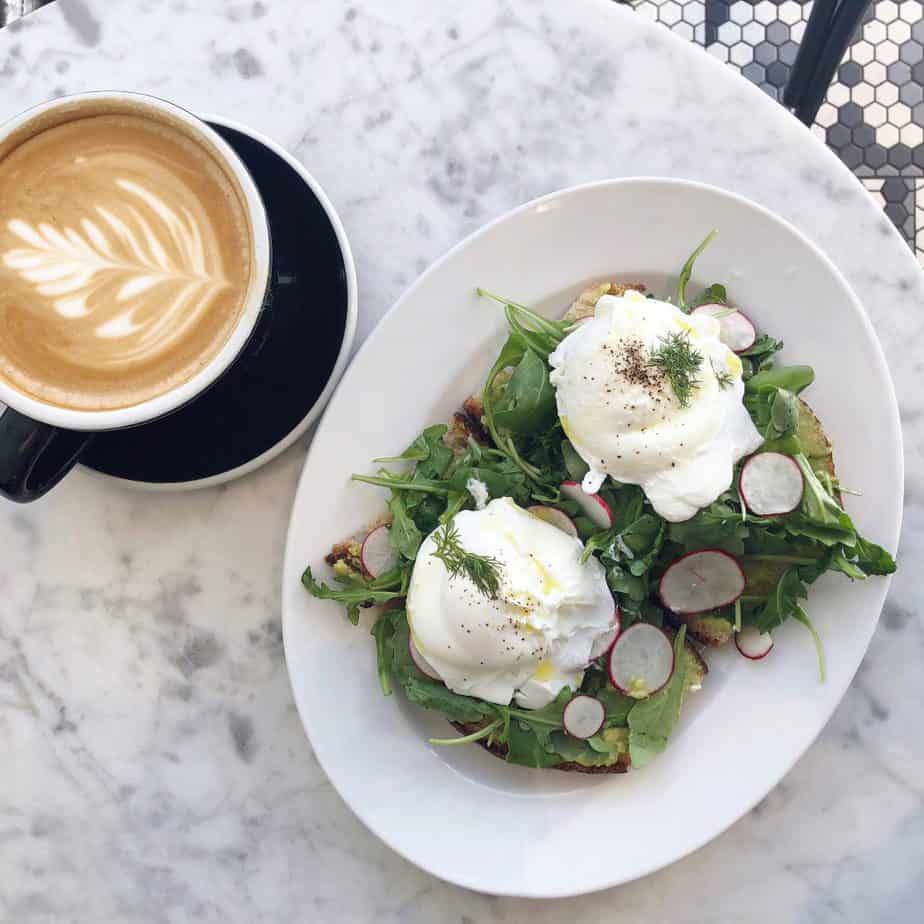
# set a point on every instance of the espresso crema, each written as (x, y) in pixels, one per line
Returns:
(126, 258)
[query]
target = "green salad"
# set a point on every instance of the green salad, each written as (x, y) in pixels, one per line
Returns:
(732, 572)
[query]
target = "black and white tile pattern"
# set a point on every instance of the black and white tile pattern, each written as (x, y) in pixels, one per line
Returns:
(873, 117)
(13, 9)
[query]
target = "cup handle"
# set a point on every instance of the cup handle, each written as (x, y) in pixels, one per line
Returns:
(35, 456)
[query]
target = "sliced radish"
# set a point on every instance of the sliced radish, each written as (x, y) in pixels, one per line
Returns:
(701, 581)
(378, 554)
(556, 517)
(641, 661)
(753, 643)
(420, 662)
(771, 483)
(603, 644)
(583, 716)
(594, 507)
(735, 328)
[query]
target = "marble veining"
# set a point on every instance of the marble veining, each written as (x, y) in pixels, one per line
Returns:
(154, 769)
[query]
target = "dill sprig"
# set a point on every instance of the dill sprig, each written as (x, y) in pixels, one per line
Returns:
(722, 377)
(482, 570)
(679, 361)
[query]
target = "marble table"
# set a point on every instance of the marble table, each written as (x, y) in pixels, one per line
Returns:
(153, 767)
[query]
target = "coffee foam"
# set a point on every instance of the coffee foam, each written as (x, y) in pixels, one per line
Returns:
(125, 260)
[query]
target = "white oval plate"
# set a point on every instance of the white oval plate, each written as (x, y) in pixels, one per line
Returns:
(460, 813)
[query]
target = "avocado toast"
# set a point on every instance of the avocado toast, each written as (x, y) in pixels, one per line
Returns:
(510, 444)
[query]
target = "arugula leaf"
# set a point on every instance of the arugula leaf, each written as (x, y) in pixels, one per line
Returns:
(382, 629)
(577, 467)
(872, 558)
(762, 348)
(791, 378)
(430, 694)
(631, 588)
(687, 271)
(488, 731)
(525, 747)
(543, 450)
(776, 414)
(837, 560)
(801, 616)
(538, 333)
(652, 720)
(640, 542)
(711, 295)
(820, 509)
(436, 464)
(782, 603)
(784, 413)
(543, 721)
(718, 526)
(528, 401)
(759, 356)
(399, 482)
(501, 479)
(357, 594)
(617, 706)
(430, 440)
(509, 357)
(403, 533)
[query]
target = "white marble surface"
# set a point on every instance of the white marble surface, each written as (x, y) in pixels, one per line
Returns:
(153, 767)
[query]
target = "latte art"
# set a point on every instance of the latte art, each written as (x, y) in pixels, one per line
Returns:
(124, 261)
(164, 274)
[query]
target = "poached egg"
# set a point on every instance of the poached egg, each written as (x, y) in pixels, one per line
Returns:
(551, 617)
(624, 419)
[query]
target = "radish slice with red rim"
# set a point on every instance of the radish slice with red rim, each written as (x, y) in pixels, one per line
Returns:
(378, 554)
(420, 662)
(771, 484)
(753, 643)
(583, 716)
(641, 661)
(554, 516)
(594, 507)
(701, 581)
(735, 328)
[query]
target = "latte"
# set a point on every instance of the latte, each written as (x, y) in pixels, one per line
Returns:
(126, 257)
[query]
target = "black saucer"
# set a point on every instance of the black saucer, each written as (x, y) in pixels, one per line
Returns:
(266, 396)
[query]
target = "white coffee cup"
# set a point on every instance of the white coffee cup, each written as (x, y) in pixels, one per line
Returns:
(34, 452)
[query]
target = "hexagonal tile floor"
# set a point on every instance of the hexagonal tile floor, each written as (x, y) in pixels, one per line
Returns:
(873, 116)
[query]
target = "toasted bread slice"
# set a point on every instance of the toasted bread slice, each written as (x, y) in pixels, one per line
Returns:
(706, 629)
(583, 306)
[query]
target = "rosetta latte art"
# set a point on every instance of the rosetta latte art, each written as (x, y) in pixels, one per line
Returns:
(126, 259)
(139, 271)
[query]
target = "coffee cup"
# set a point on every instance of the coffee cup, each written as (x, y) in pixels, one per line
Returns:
(134, 264)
